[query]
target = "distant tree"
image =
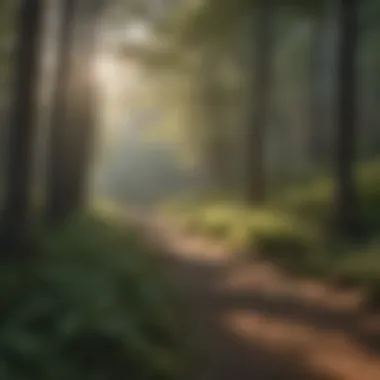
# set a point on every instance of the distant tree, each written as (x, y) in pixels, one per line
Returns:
(262, 73)
(322, 74)
(22, 134)
(84, 111)
(57, 186)
(346, 197)
(73, 117)
(316, 127)
(216, 145)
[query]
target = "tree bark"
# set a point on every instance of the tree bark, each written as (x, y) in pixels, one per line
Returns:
(84, 116)
(73, 119)
(262, 93)
(217, 144)
(57, 192)
(23, 129)
(317, 148)
(346, 197)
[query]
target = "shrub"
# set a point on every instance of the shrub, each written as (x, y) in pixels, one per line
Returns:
(359, 266)
(275, 236)
(313, 201)
(294, 229)
(310, 201)
(267, 233)
(91, 307)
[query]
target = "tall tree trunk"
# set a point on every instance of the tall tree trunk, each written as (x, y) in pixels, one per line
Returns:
(23, 130)
(73, 123)
(217, 147)
(322, 89)
(262, 86)
(346, 201)
(316, 114)
(84, 114)
(57, 184)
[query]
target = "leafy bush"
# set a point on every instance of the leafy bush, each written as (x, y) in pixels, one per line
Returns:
(359, 266)
(91, 307)
(313, 201)
(294, 230)
(270, 234)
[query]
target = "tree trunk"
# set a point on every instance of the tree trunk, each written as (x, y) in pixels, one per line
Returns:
(57, 192)
(217, 144)
(317, 148)
(84, 114)
(346, 201)
(262, 86)
(73, 119)
(23, 130)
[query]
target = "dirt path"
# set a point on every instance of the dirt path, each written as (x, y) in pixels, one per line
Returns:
(254, 323)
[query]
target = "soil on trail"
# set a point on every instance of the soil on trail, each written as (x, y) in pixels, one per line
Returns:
(254, 323)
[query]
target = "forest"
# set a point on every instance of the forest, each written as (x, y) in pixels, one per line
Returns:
(190, 189)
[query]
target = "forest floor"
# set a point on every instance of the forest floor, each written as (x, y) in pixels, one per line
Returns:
(251, 321)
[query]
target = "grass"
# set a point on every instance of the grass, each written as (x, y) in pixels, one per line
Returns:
(92, 306)
(293, 229)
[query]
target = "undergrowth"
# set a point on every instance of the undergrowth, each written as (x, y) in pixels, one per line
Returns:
(294, 229)
(92, 306)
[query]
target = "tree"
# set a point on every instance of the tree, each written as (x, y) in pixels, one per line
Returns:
(316, 127)
(322, 74)
(215, 126)
(73, 117)
(84, 111)
(22, 138)
(261, 86)
(346, 198)
(57, 186)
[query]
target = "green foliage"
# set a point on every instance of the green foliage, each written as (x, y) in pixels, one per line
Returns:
(92, 307)
(359, 266)
(314, 200)
(293, 230)
(209, 21)
(268, 234)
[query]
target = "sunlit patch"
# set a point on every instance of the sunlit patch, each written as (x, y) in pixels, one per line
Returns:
(138, 32)
(269, 331)
(329, 351)
(106, 67)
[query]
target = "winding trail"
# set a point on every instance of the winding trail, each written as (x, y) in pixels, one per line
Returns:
(255, 323)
